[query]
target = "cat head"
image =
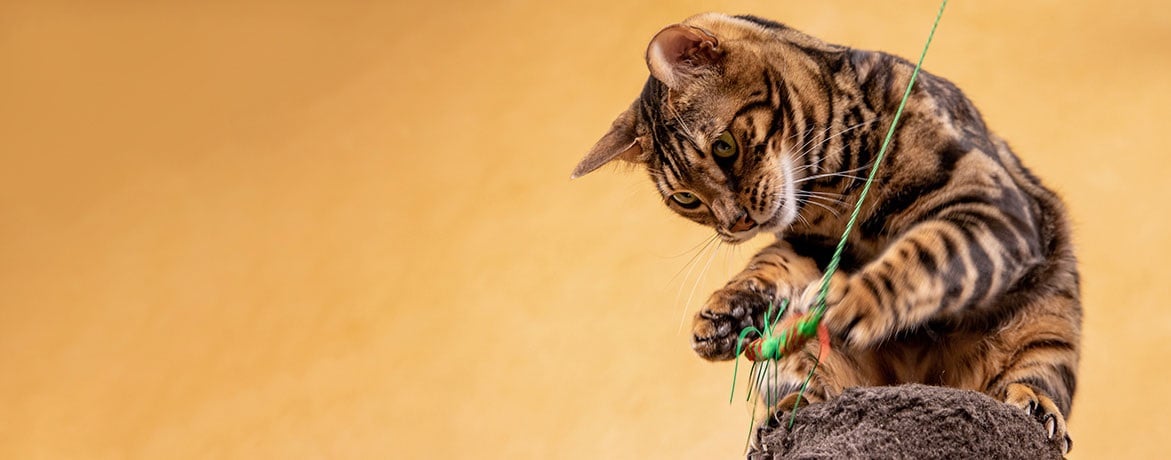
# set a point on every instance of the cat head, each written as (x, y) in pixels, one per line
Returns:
(708, 126)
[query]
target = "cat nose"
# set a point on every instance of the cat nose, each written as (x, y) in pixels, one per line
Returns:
(744, 223)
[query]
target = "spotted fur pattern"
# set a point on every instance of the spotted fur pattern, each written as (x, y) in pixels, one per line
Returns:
(961, 272)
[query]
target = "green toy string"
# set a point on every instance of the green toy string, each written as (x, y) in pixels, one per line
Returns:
(807, 326)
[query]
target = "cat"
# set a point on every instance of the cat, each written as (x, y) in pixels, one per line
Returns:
(961, 271)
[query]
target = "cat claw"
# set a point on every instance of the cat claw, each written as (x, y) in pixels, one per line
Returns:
(1044, 411)
(1050, 425)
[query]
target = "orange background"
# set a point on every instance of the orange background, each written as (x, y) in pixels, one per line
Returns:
(346, 229)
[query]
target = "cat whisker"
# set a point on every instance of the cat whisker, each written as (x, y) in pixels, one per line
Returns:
(819, 176)
(813, 193)
(679, 119)
(683, 315)
(690, 265)
(828, 199)
(703, 242)
(804, 220)
(860, 168)
(791, 137)
(835, 205)
(827, 208)
(838, 205)
(728, 260)
(836, 135)
(804, 149)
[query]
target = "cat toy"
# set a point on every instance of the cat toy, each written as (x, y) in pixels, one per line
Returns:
(772, 346)
(775, 343)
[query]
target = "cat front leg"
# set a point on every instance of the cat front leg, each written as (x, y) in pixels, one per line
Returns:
(936, 269)
(776, 273)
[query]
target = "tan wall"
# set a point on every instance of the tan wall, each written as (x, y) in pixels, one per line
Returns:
(347, 231)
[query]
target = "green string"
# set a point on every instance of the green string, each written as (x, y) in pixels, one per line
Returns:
(809, 327)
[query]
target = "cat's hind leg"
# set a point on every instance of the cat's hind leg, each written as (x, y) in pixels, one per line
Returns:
(1039, 375)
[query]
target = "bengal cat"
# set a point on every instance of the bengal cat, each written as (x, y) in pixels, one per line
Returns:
(961, 272)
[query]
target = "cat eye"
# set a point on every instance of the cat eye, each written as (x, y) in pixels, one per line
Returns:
(685, 199)
(724, 146)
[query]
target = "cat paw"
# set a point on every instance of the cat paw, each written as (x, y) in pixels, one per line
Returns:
(852, 313)
(717, 326)
(1044, 410)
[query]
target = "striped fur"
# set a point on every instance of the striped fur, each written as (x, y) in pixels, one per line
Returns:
(961, 272)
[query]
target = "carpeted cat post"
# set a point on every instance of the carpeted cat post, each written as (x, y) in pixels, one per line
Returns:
(909, 421)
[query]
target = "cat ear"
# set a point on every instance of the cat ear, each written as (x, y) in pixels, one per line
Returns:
(621, 142)
(679, 52)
